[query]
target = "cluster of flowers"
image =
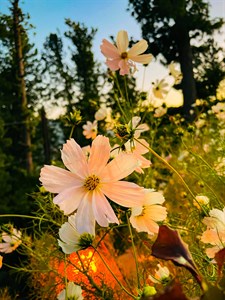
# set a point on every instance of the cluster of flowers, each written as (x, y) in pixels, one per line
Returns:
(94, 174)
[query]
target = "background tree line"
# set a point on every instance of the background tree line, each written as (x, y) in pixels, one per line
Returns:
(71, 78)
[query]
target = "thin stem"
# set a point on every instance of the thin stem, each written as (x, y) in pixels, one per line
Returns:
(134, 250)
(175, 171)
(28, 217)
(71, 132)
(117, 280)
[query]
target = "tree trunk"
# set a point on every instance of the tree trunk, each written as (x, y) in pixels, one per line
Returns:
(22, 85)
(185, 58)
(45, 134)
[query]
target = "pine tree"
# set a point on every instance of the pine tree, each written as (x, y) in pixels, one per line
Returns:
(171, 27)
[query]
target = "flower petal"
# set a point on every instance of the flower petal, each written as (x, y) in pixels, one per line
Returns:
(124, 67)
(99, 154)
(124, 193)
(120, 167)
(74, 158)
(155, 212)
(69, 199)
(85, 220)
(109, 50)
(122, 41)
(138, 223)
(103, 211)
(142, 59)
(138, 48)
(55, 179)
(152, 197)
(113, 64)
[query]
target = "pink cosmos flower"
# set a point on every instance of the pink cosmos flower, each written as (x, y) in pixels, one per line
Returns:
(215, 232)
(118, 57)
(89, 181)
(150, 211)
(90, 129)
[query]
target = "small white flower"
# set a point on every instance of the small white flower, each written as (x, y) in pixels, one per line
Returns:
(160, 88)
(10, 241)
(73, 292)
(215, 232)
(204, 200)
(160, 275)
(175, 72)
(90, 129)
(70, 239)
(145, 217)
(102, 113)
(160, 111)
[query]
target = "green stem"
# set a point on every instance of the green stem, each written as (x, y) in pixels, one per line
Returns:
(175, 171)
(117, 280)
(71, 132)
(134, 251)
(28, 217)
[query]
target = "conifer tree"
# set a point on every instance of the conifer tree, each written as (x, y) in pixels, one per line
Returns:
(171, 27)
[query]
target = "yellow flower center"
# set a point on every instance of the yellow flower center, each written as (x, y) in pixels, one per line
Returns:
(91, 182)
(124, 55)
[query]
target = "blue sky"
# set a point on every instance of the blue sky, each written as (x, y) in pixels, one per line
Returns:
(108, 16)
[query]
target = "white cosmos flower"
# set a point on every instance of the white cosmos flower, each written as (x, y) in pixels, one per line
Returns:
(73, 292)
(10, 241)
(70, 239)
(145, 217)
(160, 275)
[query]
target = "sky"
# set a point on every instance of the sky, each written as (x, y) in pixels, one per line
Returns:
(108, 16)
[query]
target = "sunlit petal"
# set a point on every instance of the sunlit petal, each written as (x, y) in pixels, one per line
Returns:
(99, 154)
(122, 41)
(55, 179)
(109, 50)
(120, 167)
(85, 220)
(124, 193)
(69, 199)
(137, 49)
(143, 59)
(74, 158)
(103, 212)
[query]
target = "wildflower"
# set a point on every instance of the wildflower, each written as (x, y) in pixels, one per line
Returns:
(132, 129)
(136, 147)
(215, 232)
(177, 75)
(144, 217)
(137, 150)
(71, 240)
(91, 179)
(219, 110)
(201, 201)
(118, 57)
(160, 111)
(90, 129)
(102, 113)
(160, 88)
(73, 292)
(10, 241)
(161, 275)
